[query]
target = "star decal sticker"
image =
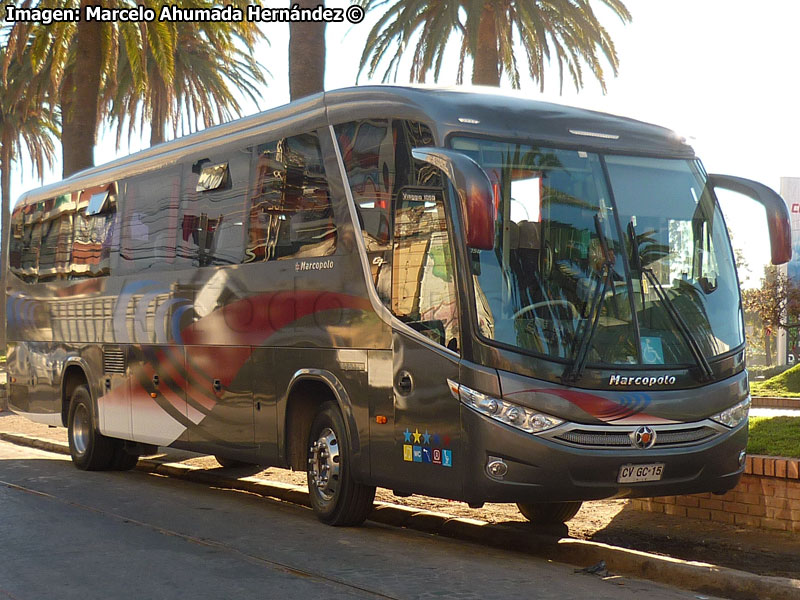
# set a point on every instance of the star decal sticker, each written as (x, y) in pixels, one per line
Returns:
(426, 438)
(406, 435)
(417, 435)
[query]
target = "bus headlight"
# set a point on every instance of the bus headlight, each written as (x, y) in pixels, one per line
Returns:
(735, 415)
(521, 417)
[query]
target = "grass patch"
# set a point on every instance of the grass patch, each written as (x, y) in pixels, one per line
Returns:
(774, 436)
(785, 385)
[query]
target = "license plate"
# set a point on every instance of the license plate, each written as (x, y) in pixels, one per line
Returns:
(636, 473)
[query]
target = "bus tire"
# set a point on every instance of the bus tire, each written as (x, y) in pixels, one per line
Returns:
(123, 460)
(549, 513)
(90, 450)
(337, 499)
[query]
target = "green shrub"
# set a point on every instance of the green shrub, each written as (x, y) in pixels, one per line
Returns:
(786, 385)
(774, 436)
(758, 371)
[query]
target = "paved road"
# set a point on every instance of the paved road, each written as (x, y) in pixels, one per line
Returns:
(69, 534)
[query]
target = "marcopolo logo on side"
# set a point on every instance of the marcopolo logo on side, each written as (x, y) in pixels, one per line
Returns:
(648, 381)
(318, 265)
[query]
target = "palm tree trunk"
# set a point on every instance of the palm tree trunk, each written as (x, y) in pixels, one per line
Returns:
(306, 55)
(5, 229)
(158, 122)
(79, 99)
(486, 62)
(156, 132)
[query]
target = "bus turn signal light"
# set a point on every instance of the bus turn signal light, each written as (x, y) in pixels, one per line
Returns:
(381, 420)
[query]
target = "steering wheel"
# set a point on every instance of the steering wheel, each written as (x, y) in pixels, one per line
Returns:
(547, 303)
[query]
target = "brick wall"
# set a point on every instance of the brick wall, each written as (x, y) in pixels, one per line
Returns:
(767, 497)
(768, 402)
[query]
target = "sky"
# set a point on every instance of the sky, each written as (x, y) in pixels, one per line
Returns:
(719, 72)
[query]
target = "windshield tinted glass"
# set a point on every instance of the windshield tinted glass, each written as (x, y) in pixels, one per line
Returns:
(679, 233)
(562, 248)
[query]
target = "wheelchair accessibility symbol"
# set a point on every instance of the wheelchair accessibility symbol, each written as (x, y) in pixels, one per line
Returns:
(652, 351)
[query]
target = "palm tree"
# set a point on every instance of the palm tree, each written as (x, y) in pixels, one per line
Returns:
(26, 123)
(209, 60)
(306, 55)
(567, 30)
(85, 56)
(82, 57)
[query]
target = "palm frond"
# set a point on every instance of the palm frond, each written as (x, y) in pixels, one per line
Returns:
(567, 31)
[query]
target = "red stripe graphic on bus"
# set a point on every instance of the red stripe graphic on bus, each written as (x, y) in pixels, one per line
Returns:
(219, 344)
(627, 409)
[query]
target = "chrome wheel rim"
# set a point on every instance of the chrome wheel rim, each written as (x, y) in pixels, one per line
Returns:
(323, 464)
(81, 429)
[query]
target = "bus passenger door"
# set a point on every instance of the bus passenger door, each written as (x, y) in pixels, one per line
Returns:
(427, 454)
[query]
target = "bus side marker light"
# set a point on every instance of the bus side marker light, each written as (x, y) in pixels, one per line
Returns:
(381, 420)
(153, 395)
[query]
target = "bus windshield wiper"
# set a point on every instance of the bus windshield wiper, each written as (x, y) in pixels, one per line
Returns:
(706, 373)
(573, 372)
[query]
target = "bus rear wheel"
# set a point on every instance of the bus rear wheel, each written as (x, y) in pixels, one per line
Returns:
(90, 450)
(335, 496)
(549, 513)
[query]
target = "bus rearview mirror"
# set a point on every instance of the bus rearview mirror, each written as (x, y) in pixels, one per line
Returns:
(780, 230)
(474, 192)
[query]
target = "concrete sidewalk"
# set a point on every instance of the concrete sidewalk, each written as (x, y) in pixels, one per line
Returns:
(695, 576)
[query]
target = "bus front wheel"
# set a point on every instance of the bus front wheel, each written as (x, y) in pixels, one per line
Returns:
(549, 513)
(90, 450)
(335, 496)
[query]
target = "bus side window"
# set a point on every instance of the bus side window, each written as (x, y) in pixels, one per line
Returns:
(377, 156)
(93, 231)
(290, 209)
(212, 215)
(31, 242)
(16, 246)
(149, 223)
(368, 151)
(423, 282)
(56, 252)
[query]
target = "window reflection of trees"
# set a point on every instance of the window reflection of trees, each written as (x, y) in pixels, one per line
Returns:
(55, 239)
(290, 209)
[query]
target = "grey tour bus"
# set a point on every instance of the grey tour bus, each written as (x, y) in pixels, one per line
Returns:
(444, 292)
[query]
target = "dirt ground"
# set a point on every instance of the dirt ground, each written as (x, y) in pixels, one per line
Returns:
(608, 521)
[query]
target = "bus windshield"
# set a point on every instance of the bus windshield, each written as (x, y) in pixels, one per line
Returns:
(627, 252)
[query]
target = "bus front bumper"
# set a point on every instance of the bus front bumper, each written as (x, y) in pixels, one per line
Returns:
(537, 469)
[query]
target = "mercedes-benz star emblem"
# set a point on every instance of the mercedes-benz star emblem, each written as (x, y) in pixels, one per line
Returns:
(643, 438)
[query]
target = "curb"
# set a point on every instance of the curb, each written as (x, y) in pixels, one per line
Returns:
(695, 576)
(775, 402)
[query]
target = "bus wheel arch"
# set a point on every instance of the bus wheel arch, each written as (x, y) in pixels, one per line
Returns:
(90, 450)
(74, 376)
(307, 393)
